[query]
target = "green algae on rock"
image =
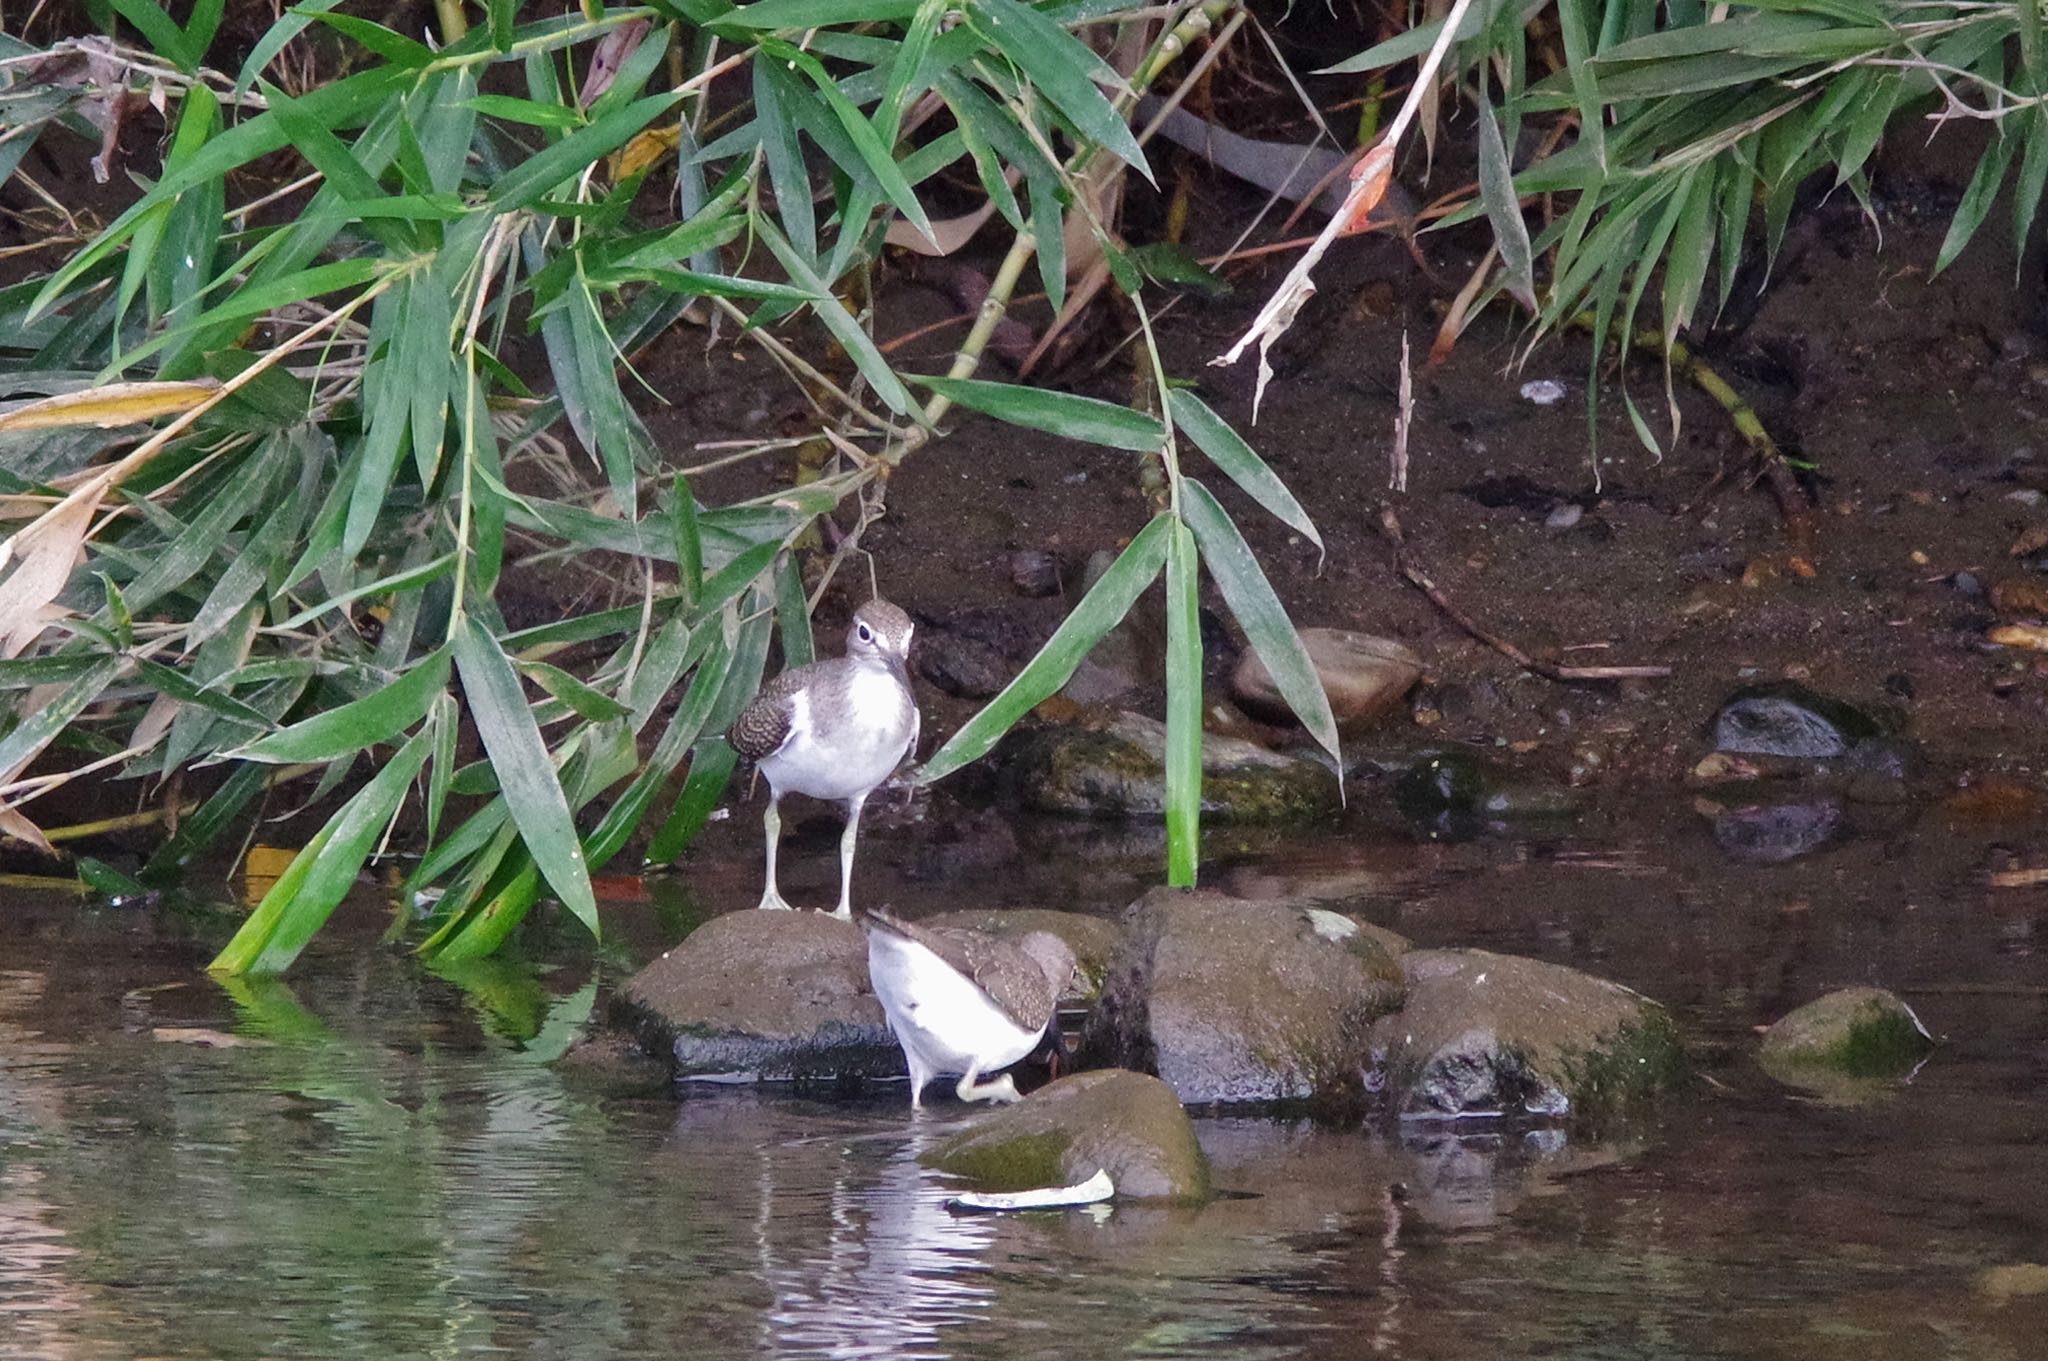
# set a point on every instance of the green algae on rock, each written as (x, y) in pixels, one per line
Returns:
(1126, 1124)
(1852, 1044)
(1113, 765)
(1491, 1033)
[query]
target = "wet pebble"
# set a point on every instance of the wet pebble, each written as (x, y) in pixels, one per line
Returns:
(1966, 584)
(1364, 677)
(1565, 517)
(1789, 719)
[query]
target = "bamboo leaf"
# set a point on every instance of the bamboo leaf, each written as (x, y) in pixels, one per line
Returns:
(1064, 69)
(585, 700)
(1504, 210)
(1183, 709)
(109, 405)
(1097, 613)
(1259, 613)
(322, 873)
(539, 809)
(1977, 197)
(361, 723)
(37, 729)
(858, 344)
(1059, 413)
(710, 772)
(1239, 461)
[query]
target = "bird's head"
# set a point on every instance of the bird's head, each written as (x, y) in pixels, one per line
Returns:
(880, 631)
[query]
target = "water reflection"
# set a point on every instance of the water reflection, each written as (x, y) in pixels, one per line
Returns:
(371, 1161)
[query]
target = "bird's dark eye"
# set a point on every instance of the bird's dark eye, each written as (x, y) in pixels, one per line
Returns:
(867, 635)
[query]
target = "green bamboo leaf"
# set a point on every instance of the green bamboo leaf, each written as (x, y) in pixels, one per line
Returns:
(1977, 197)
(1059, 413)
(1064, 69)
(689, 542)
(623, 818)
(405, 579)
(1098, 612)
(1239, 462)
(275, 39)
(2033, 176)
(36, 730)
(585, 700)
(874, 154)
(444, 721)
(482, 930)
(858, 344)
(359, 724)
(710, 772)
(531, 112)
(109, 882)
(792, 614)
(777, 97)
(1504, 210)
(767, 16)
(1048, 228)
(539, 809)
(183, 688)
(539, 174)
(395, 48)
(322, 873)
(1259, 613)
(1183, 709)
(197, 832)
(158, 28)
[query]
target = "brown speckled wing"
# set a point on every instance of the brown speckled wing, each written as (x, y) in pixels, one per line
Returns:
(763, 725)
(1002, 968)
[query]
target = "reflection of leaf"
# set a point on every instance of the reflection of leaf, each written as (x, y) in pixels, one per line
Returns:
(506, 993)
(567, 1018)
(270, 1008)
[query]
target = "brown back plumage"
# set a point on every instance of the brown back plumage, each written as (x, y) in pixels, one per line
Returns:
(1024, 976)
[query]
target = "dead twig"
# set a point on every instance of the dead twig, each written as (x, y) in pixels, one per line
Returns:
(1390, 529)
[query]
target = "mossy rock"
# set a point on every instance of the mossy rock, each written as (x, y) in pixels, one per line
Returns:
(1851, 1044)
(1126, 1124)
(1113, 765)
(1491, 1033)
(1233, 1001)
(763, 997)
(1094, 940)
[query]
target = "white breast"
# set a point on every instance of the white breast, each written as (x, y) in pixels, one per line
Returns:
(865, 742)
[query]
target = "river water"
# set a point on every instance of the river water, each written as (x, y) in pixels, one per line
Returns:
(367, 1160)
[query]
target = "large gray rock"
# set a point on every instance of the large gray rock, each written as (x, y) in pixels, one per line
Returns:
(1364, 676)
(757, 996)
(1094, 940)
(1111, 764)
(1126, 1124)
(1482, 1032)
(1236, 1001)
(1786, 718)
(1853, 1044)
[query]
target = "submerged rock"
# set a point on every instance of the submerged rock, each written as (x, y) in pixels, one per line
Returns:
(757, 996)
(1772, 833)
(1788, 719)
(1850, 1044)
(1236, 1001)
(1126, 1124)
(1113, 764)
(1094, 940)
(1453, 792)
(1485, 1033)
(1364, 676)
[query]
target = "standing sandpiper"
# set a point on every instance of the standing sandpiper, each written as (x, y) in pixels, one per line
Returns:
(834, 730)
(965, 1002)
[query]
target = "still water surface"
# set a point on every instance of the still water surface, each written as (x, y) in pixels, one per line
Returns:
(366, 1160)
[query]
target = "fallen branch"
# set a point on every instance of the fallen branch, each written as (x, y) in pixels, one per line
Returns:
(1390, 528)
